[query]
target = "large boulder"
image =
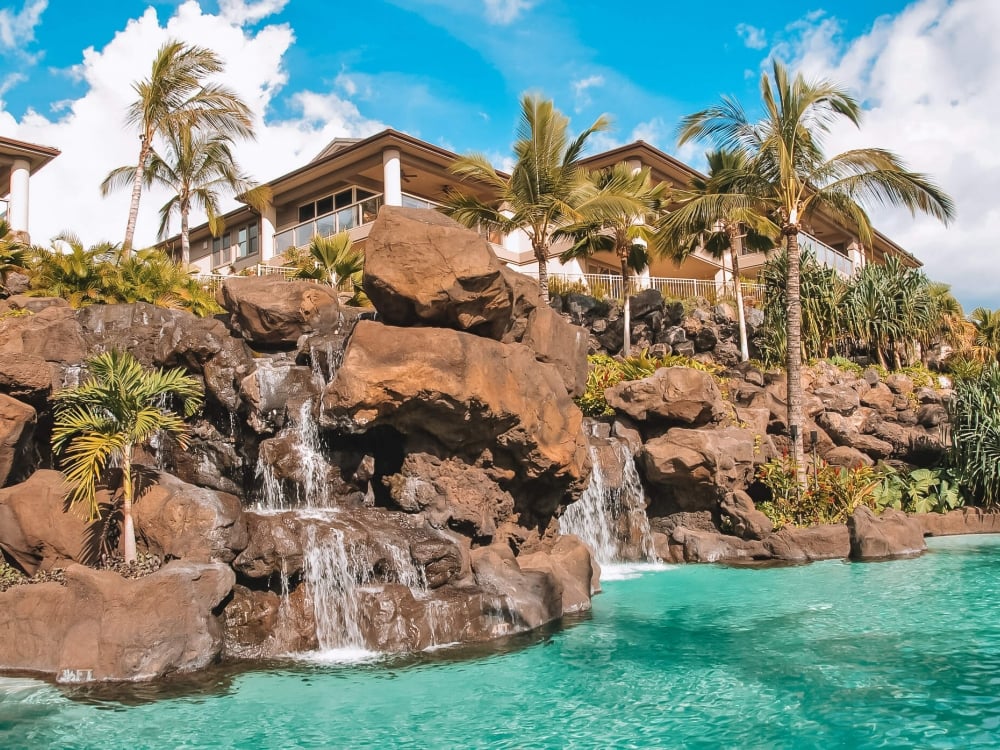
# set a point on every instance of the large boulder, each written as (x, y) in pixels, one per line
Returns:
(277, 392)
(672, 395)
(691, 545)
(699, 466)
(570, 561)
(162, 337)
(959, 521)
(829, 541)
(174, 519)
(747, 521)
(463, 395)
(39, 530)
(37, 349)
(423, 268)
(273, 312)
(451, 494)
(99, 626)
(894, 534)
(524, 599)
(17, 426)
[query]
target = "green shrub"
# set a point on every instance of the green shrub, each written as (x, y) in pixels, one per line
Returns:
(975, 425)
(920, 491)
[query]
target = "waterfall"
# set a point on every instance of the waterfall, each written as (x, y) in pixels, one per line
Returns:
(609, 516)
(331, 577)
(312, 491)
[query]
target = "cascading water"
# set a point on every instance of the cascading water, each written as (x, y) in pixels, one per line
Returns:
(609, 516)
(312, 491)
(332, 584)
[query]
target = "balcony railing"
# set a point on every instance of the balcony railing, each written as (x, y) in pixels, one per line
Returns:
(342, 219)
(350, 216)
(827, 255)
(611, 286)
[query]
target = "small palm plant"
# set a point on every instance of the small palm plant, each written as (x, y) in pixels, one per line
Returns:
(334, 259)
(100, 423)
(13, 254)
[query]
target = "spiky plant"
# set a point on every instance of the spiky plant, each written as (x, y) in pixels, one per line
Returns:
(99, 424)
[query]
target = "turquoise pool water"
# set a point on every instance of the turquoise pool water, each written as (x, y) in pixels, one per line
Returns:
(902, 654)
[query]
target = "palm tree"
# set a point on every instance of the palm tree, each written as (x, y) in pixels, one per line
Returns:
(785, 149)
(334, 259)
(723, 214)
(198, 167)
(100, 423)
(13, 254)
(80, 275)
(987, 332)
(618, 214)
(544, 187)
(175, 94)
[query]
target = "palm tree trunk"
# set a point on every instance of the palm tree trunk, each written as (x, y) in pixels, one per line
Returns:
(627, 312)
(741, 319)
(794, 345)
(133, 210)
(185, 239)
(128, 525)
(543, 270)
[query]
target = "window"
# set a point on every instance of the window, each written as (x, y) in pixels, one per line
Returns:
(330, 203)
(247, 241)
(221, 250)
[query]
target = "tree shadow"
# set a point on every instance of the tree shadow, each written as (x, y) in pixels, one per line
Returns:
(102, 537)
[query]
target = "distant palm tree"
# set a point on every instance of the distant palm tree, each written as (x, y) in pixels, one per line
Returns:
(724, 214)
(785, 150)
(987, 332)
(618, 214)
(176, 93)
(544, 187)
(100, 423)
(199, 168)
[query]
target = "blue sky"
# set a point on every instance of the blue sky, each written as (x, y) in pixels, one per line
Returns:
(451, 72)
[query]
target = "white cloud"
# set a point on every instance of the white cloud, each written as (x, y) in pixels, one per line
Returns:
(90, 130)
(242, 12)
(17, 29)
(752, 36)
(581, 90)
(930, 81)
(504, 12)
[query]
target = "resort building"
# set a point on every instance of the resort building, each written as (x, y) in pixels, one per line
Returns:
(18, 161)
(344, 186)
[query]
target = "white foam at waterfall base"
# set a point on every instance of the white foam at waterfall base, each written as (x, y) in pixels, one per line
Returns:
(595, 516)
(330, 577)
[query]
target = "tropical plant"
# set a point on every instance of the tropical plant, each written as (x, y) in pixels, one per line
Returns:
(919, 491)
(725, 215)
(13, 254)
(85, 276)
(618, 214)
(975, 435)
(99, 424)
(177, 94)
(831, 495)
(822, 312)
(889, 308)
(986, 335)
(199, 168)
(332, 259)
(544, 188)
(785, 149)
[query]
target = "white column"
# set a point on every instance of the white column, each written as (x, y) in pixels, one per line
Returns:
(857, 255)
(268, 218)
(392, 187)
(17, 211)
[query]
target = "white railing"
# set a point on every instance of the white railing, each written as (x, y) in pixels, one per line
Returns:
(213, 281)
(827, 255)
(611, 286)
(350, 216)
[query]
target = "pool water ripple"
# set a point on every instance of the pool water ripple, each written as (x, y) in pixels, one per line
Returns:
(899, 654)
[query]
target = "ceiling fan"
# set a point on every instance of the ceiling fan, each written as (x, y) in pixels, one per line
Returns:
(406, 176)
